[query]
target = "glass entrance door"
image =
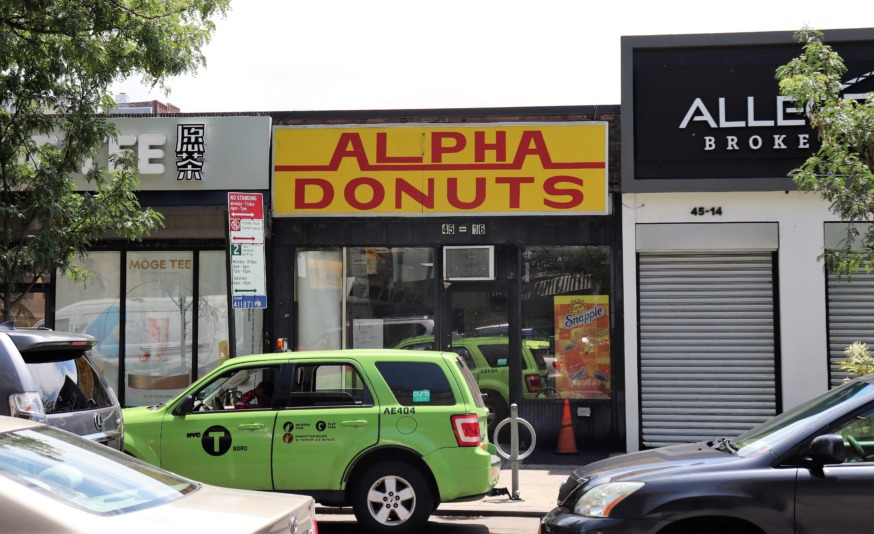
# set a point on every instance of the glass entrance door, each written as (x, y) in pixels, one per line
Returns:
(478, 316)
(478, 310)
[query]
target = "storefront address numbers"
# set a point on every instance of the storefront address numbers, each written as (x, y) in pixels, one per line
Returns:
(701, 210)
(452, 229)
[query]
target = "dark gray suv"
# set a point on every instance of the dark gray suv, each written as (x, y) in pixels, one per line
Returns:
(808, 470)
(49, 377)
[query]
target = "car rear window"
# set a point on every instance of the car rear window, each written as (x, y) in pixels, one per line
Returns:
(464, 353)
(68, 382)
(471, 382)
(539, 357)
(496, 355)
(417, 383)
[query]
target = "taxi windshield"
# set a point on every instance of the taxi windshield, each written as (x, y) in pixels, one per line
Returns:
(811, 414)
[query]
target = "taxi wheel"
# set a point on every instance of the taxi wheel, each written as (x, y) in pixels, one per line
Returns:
(392, 497)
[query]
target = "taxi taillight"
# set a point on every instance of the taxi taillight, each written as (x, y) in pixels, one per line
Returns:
(534, 383)
(466, 428)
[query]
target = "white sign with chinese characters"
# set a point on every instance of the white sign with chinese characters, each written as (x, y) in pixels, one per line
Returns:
(190, 153)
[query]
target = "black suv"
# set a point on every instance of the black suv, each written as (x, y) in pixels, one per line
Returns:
(49, 377)
(808, 470)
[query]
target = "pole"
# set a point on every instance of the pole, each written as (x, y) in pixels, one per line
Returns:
(514, 450)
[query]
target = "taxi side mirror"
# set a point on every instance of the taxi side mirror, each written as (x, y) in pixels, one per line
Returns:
(828, 449)
(185, 407)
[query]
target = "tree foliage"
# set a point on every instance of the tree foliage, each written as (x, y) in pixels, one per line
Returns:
(58, 59)
(841, 170)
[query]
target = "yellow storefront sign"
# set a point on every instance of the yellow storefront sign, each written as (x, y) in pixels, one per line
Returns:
(497, 169)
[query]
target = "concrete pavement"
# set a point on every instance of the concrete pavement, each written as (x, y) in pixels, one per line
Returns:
(537, 491)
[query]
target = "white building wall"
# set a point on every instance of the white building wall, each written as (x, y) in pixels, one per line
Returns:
(803, 353)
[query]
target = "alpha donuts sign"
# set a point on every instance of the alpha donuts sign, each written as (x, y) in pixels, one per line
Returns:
(458, 169)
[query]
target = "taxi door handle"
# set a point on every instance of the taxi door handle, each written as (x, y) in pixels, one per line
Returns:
(359, 422)
(251, 426)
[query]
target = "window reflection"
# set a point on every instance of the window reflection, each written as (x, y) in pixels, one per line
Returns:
(363, 297)
(565, 303)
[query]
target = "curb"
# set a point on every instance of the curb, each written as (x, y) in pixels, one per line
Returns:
(467, 512)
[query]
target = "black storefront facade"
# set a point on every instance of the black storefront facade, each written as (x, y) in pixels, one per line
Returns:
(394, 228)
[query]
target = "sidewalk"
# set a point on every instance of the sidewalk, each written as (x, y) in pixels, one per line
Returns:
(539, 478)
(537, 492)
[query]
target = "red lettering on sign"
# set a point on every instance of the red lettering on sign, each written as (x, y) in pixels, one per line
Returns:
(350, 193)
(535, 138)
(382, 152)
(455, 202)
(403, 187)
(300, 193)
(438, 148)
(499, 146)
(515, 187)
(349, 146)
(551, 188)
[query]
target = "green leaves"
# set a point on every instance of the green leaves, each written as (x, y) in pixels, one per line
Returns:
(57, 61)
(841, 170)
(859, 361)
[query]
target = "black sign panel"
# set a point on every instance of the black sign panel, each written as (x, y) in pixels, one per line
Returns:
(706, 113)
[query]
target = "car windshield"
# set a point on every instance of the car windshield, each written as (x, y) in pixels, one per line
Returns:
(811, 414)
(83, 474)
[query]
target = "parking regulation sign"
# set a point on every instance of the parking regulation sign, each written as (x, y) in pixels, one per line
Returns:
(246, 240)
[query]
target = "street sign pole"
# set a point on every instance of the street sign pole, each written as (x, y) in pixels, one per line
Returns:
(246, 243)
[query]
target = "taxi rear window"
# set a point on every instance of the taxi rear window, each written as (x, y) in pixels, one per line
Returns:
(496, 355)
(417, 383)
(471, 382)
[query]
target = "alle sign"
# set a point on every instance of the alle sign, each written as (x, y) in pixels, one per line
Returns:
(707, 114)
(459, 169)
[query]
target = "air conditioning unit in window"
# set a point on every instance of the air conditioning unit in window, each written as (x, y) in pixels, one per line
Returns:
(475, 262)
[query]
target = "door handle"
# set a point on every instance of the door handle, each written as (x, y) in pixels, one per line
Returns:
(358, 422)
(251, 426)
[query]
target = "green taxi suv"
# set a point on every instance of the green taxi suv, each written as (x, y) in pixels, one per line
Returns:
(488, 359)
(391, 433)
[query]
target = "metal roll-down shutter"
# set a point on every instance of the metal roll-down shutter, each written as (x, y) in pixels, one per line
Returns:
(707, 349)
(850, 317)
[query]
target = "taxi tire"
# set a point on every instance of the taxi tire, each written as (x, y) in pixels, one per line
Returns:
(398, 476)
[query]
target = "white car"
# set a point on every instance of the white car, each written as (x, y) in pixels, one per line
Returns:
(54, 481)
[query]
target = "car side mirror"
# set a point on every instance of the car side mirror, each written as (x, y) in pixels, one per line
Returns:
(186, 406)
(828, 449)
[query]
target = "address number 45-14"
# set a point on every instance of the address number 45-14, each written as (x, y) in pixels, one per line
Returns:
(700, 211)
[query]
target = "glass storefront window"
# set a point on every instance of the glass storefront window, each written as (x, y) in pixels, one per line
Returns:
(212, 321)
(158, 326)
(363, 297)
(159, 311)
(92, 307)
(566, 317)
(29, 306)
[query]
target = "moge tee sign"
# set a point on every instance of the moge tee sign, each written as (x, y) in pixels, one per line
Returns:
(458, 169)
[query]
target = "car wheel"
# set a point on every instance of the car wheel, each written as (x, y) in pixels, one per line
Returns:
(392, 497)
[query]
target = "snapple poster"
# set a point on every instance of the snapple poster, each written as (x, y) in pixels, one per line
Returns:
(582, 346)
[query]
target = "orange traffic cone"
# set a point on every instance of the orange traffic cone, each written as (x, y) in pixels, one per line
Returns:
(567, 444)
